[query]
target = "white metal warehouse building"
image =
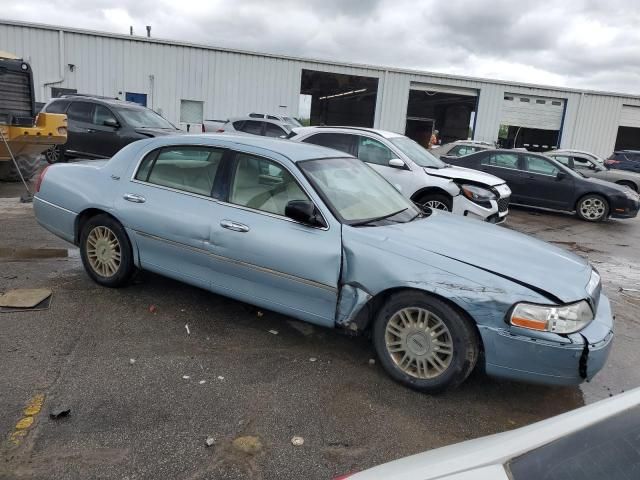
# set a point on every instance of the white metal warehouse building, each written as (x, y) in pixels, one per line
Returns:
(189, 83)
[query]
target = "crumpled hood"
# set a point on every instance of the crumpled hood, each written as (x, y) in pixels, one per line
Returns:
(462, 173)
(496, 249)
(157, 132)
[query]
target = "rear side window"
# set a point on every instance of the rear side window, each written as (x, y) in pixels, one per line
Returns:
(373, 151)
(504, 160)
(272, 130)
(81, 112)
(337, 141)
(190, 169)
(238, 125)
(58, 106)
(252, 126)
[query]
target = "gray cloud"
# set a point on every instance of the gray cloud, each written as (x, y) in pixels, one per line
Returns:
(577, 43)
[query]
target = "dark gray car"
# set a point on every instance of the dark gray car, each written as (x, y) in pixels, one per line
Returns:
(590, 165)
(99, 127)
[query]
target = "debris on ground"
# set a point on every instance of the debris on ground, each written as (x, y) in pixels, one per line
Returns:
(297, 441)
(24, 298)
(152, 309)
(186, 377)
(186, 325)
(273, 332)
(132, 361)
(59, 412)
(209, 441)
(259, 314)
(202, 382)
(313, 359)
(634, 290)
(372, 361)
(220, 377)
(249, 444)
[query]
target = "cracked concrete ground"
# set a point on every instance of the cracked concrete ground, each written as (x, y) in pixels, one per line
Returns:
(144, 420)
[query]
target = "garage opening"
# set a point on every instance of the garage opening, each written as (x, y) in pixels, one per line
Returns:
(449, 110)
(534, 123)
(628, 137)
(338, 99)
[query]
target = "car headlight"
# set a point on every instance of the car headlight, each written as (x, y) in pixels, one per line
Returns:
(552, 318)
(477, 194)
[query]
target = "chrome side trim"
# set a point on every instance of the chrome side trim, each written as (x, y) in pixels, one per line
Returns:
(288, 276)
(54, 205)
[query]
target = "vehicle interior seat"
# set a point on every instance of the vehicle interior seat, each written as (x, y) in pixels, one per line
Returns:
(191, 176)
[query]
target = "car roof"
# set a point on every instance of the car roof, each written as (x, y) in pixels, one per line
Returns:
(103, 100)
(343, 129)
(570, 150)
(294, 151)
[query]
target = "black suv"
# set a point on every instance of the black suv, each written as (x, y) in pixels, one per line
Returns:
(100, 127)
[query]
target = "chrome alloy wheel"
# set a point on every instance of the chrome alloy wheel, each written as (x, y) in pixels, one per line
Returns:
(52, 154)
(592, 208)
(435, 205)
(103, 251)
(419, 343)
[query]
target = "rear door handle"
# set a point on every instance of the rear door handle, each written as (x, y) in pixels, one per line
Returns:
(235, 226)
(133, 197)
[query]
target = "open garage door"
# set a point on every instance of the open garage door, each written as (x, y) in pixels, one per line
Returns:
(531, 122)
(337, 99)
(628, 137)
(449, 110)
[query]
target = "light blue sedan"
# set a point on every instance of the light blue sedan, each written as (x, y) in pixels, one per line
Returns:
(315, 234)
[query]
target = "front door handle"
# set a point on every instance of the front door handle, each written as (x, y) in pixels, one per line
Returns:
(235, 226)
(133, 197)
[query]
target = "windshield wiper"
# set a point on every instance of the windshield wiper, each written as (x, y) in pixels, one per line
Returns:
(377, 219)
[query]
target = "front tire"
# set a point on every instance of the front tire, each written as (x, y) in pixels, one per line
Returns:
(106, 251)
(593, 208)
(435, 201)
(423, 343)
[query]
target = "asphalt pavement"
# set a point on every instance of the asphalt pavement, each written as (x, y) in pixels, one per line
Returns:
(150, 371)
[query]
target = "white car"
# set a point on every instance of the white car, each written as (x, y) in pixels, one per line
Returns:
(599, 441)
(415, 172)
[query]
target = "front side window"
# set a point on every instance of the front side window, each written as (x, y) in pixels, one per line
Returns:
(264, 185)
(102, 114)
(186, 168)
(540, 166)
(81, 112)
(272, 130)
(583, 163)
(337, 141)
(354, 190)
(417, 152)
(503, 160)
(372, 151)
(563, 159)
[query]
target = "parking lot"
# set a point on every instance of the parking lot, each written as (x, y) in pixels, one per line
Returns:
(150, 371)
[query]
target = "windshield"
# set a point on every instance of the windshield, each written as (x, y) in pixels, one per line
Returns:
(355, 192)
(292, 121)
(417, 153)
(143, 117)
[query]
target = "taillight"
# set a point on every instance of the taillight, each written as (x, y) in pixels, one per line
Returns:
(611, 161)
(41, 178)
(220, 130)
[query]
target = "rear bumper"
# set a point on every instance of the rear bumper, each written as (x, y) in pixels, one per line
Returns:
(57, 220)
(565, 360)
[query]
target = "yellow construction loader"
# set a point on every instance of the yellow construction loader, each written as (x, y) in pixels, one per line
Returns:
(24, 135)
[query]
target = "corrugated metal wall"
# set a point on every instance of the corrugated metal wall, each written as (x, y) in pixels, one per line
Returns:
(236, 83)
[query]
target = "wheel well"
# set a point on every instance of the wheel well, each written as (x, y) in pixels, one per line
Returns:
(367, 314)
(631, 184)
(429, 191)
(84, 216)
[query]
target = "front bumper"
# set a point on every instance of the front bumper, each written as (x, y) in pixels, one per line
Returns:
(624, 208)
(549, 358)
(465, 207)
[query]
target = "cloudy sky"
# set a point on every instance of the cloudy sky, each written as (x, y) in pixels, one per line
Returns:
(575, 43)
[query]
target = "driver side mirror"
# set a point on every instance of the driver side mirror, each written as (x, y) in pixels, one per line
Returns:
(560, 175)
(397, 163)
(111, 122)
(304, 211)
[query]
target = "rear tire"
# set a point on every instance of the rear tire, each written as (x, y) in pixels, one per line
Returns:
(593, 208)
(106, 251)
(423, 343)
(435, 201)
(55, 154)
(28, 165)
